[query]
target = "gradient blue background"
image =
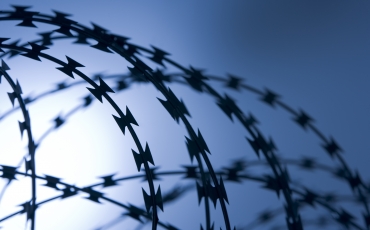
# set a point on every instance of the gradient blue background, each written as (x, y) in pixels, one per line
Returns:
(313, 53)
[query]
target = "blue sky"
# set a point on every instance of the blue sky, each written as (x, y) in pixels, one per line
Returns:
(314, 54)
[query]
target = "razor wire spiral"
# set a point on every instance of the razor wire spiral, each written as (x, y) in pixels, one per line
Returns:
(209, 183)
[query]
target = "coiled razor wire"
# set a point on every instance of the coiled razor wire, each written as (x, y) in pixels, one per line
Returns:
(208, 182)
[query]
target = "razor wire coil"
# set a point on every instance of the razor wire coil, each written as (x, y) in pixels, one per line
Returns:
(209, 182)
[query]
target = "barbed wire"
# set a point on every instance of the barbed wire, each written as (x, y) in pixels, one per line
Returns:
(209, 183)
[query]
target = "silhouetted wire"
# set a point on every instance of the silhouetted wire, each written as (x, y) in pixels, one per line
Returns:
(197, 147)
